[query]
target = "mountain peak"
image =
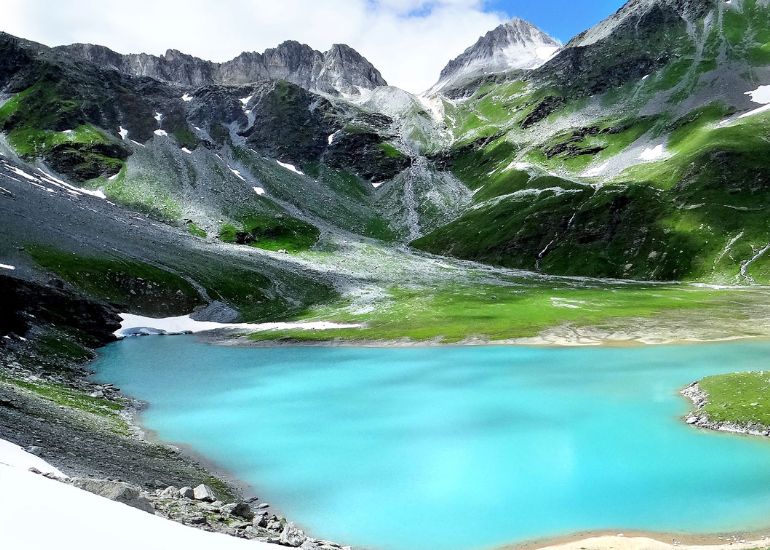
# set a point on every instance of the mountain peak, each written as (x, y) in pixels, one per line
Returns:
(514, 45)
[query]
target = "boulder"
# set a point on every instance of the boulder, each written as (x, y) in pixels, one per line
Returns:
(117, 491)
(204, 492)
(169, 492)
(260, 520)
(187, 492)
(292, 536)
(238, 509)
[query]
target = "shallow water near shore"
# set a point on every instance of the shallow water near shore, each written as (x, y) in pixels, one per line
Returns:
(457, 448)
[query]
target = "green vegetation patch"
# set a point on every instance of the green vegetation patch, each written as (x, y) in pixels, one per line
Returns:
(141, 192)
(454, 313)
(196, 231)
(138, 287)
(741, 398)
(41, 122)
(390, 150)
(271, 233)
(73, 399)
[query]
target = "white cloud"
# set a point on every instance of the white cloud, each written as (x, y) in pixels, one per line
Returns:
(409, 41)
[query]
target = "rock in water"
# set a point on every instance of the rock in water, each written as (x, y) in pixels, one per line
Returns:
(117, 491)
(204, 492)
(292, 536)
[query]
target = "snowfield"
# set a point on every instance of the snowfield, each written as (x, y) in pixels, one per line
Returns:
(760, 95)
(290, 167)
(653, 153)
(14, 456)
(40, 513)
(185, 324)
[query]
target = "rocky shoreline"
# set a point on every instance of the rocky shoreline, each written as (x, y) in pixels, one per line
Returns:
(699, 418)
(77, 443)
(50, 408)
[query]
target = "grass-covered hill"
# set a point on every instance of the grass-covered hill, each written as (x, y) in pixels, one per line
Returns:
(638, 151)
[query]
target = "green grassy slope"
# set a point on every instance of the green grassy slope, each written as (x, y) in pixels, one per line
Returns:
(557, 169)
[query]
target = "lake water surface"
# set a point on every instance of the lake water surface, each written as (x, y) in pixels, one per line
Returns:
(457, 448)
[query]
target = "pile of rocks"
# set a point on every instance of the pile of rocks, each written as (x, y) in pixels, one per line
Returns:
(198, 507)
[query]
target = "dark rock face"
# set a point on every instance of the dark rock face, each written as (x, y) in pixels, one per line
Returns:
(364, 153)
(340, 70)
(547, 106)
(290, 123)
(85, 161)
(26, 303)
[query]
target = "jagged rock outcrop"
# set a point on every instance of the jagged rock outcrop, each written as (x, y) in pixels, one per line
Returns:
(341, 70)
(515, 45)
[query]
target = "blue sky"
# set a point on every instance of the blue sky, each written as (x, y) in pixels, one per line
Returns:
(562, 19)
(409, 41)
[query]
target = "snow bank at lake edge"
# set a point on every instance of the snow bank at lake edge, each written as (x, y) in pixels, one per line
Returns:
(185, 324)
(12, 455)
(78, 519)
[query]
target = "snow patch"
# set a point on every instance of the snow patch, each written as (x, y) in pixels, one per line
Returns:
(237, 173)
(596, 170)
(760, 95)
(332, 137)
(23, 174)
(377, 184)
(71, 188)
(161, 133)
(187, 97)
(654, 153)
(78, 519)
(15, 457)
(290, 167)
(6, 266)
(186, 150)
(518, 165)
(133, 324)
(757, 111)
(158, 117)
(123, 132)
(245, 100)
(259, 191)
(545, 53)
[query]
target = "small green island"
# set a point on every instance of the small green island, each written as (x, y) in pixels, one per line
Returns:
(736, 402)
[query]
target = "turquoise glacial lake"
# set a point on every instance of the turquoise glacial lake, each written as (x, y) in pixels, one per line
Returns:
(457, 448)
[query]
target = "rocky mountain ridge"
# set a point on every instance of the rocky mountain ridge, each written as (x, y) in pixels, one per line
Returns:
(546, 162)
(340, 70)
